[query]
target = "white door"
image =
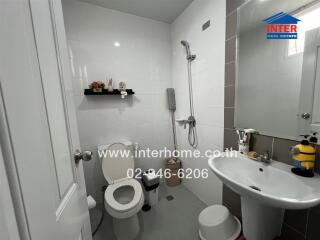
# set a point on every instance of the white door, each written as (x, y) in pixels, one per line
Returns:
(8, 224)
(37, 123)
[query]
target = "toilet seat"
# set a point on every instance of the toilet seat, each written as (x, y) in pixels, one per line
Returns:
(121, 188)
(119, 210)
(109, 195)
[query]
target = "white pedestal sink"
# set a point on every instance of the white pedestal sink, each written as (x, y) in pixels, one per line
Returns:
(266, 190)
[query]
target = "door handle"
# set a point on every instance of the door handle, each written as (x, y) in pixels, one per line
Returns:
(306, 116)
(85, 156)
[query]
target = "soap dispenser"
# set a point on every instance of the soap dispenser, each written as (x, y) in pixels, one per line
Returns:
(304, 155)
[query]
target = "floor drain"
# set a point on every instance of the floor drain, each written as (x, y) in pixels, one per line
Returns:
(256, 188)
(169, 197)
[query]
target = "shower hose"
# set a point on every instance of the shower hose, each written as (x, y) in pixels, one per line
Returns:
(102, 213)
(192, 134)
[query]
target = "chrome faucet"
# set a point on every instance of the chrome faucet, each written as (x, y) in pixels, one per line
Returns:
(264, 157)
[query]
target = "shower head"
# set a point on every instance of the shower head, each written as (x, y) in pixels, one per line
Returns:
(187, 46)
(190, 57)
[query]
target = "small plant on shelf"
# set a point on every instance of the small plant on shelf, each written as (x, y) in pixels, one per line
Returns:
(97, 86)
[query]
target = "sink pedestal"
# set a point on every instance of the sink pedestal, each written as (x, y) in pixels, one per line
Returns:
(260, 222)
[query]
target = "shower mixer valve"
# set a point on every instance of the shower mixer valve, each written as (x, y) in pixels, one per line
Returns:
(191, 121)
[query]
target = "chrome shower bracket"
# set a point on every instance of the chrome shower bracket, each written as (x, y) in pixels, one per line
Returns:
(191, 57)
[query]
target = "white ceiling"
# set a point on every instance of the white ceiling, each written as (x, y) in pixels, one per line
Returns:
(160, 10)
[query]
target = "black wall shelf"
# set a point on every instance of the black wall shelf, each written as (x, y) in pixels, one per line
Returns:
(90, 92)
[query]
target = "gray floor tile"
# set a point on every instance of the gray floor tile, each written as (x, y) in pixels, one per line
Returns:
(168, 220)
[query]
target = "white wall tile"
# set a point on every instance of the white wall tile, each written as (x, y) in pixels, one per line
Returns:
(143, 61)
(150, 59)
(208, 84)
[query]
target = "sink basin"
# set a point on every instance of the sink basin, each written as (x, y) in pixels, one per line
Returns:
(272, 184)
(265, 190)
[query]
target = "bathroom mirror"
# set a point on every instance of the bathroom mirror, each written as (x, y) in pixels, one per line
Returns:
(278, 80)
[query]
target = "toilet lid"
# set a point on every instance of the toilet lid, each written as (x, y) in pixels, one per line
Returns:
(116, 167)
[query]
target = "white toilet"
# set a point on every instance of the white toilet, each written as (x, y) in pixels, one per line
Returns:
(123, 198)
